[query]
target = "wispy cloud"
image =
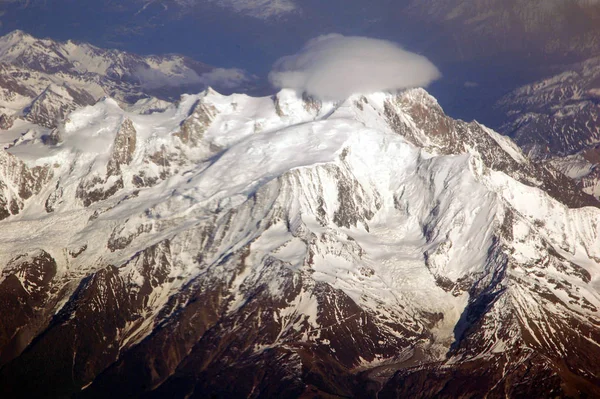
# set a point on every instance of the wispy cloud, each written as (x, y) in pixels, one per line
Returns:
(221, 78)
(333, 67)
(262, 9)
(228, 78)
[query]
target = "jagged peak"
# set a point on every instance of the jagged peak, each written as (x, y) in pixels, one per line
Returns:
(13, 44)
(209, 91)
(21, 37)
(17, 34)
(17, 42)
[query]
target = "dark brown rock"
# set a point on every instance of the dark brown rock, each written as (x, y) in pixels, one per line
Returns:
(193, 128)
(25, 293)
(123, 148)
(6, 122)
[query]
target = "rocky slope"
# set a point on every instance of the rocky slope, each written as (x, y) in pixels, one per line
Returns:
(556, 116)
(232, 246)
(556, 120)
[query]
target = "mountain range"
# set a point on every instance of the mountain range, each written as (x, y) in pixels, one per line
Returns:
(224, 245)
(42, 81)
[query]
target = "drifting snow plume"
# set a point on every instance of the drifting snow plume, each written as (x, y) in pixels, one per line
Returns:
(332, 67)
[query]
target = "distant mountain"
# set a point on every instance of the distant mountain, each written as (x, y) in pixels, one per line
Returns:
(557, 120)
(557, 29)
(41, 80)
(232, 246)
(485, 48)
(556, 116)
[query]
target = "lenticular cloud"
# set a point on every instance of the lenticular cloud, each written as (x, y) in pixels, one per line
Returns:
(333, 67)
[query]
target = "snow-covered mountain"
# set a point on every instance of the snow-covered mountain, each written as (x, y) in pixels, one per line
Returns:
(556, 119)
(232, 246)
(42, 81)
(556, 116)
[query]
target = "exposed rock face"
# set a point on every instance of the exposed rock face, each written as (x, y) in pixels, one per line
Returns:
(26, 294)
(123, 148)
(107, 307)
(556, 120)
(193, 128)
(288, 248)
(18, 183)
(6, 122)
(97, 188)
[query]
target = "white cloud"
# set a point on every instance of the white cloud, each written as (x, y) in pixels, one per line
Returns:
(220, 78)
(225, 78)
(333, 67)
(151, 78)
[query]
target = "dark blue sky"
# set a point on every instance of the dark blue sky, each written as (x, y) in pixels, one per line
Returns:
(208, 33)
